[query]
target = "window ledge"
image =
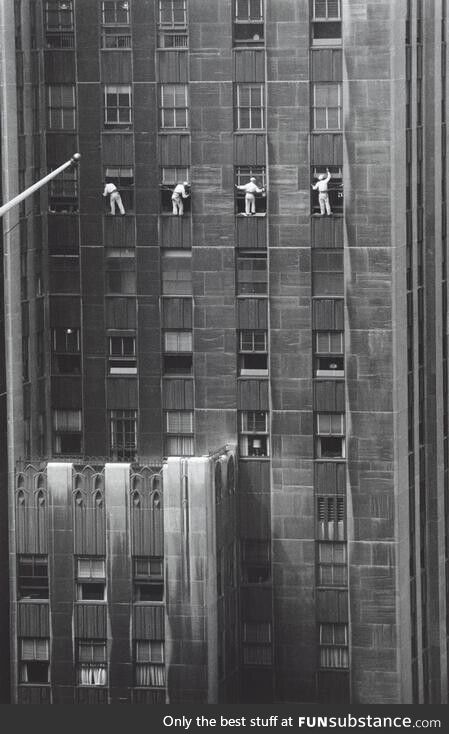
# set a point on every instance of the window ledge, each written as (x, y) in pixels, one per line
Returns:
(249, 216)
(337, 215)
(254, 458)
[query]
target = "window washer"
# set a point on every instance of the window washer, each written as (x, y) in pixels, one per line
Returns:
(111, 190)
(250, 189)
(179, 193)
(323, 192)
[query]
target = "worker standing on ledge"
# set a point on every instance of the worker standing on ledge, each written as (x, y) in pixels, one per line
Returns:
(250, 189)
(114, 197)
(179, 193)
(323, 192)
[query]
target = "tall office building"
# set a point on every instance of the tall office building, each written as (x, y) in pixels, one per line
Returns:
(227, 463)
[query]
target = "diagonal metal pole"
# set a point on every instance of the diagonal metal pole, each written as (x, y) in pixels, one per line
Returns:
(31, 189)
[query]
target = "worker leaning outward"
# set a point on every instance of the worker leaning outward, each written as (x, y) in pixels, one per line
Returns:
(323, 192)
(250, 189)
(179, 193)
(111, 190)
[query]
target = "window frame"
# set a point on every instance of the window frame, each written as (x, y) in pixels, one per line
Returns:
(319, 108)
(67, 423)
(174, 435)
(249, 434)
(34, 589)
(251, 108)
(117, 124)
(123, 426)
(178, 111)
(255, 557)
(257, 641)
(123, 361)
(332, 572)
(150, 653)
(148, 580)
(173, 23)
(88, 666)
(95, 577)
(61, 107)
(331, 648)
(254, 286)
(37, 659)
(116, 21)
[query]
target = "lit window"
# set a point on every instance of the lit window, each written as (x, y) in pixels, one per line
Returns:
(253, 357)
(122, 355)
(61, 107)
(115, 12)
(123, 434)
(67, 428)
(179, 432)
(250, 106)
(66, 357)
(327, 106)
(149, 664)
(173, 110)
(332, 564)
(91, 663)
(118, 106)
(91, 579)
(253, 438)
(34, 660)
(32, 577)
(256, 641)
(252, 274)
(148, 579)
(334, 651)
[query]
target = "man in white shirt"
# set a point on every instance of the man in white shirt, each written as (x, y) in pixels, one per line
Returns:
(110, 190)
(323, 195)
(179, 193)
(250, 189)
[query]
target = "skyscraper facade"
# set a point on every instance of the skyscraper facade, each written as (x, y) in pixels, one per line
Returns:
(225, 413)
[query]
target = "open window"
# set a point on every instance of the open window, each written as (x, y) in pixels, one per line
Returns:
(178, 353)
(90, 579)
(253, 435)
(148, 579)
(63, 192)
(149, 663)
(59, 24)
(326, 23)
(329, 359)
(115, 29)
(248, 22)
(330, 438)
(32, 577)
(334, 187)
(91, 663)
(243, 175)
(34, 662)
(122, 354)
(66, 351)
(67, 426)
(179, 440)
(170, 177)
(172, 24)
(123, 178)
(253, 355)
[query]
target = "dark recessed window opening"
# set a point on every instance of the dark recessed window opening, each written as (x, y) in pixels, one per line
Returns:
(178, 364)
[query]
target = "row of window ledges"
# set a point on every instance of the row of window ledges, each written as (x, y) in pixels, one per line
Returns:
(249, 106)
(172, 20)
(91, 662)
(252, 351)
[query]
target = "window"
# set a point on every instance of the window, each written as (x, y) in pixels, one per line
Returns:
(63, 192)
(253, 438)
(148, 579)
(331, 518)
(34, 660)
(170, 177)
(66, 356)
(118, 107)
(334, 651)
(121, 275)
(61, 107)
(123, 432)
(173, 13)
(253, 357)
(255, 561)
(248, 22)
(335, 189)
(59, 24)
(178, 357)
(332, 564)
(91, 579)
(173, 109)
(122, 355)
(32, 577)
(179, 432)
(115, 12)
(123, 178)
(330, 435)
(149, 663)
(252, 275)
(326, 106)
(92, 663)
(250, 106)
(257, 643)
(67, 431)
(177, 273)
(326, 23)
(329, 360)
(243, 174)
(172, 39)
